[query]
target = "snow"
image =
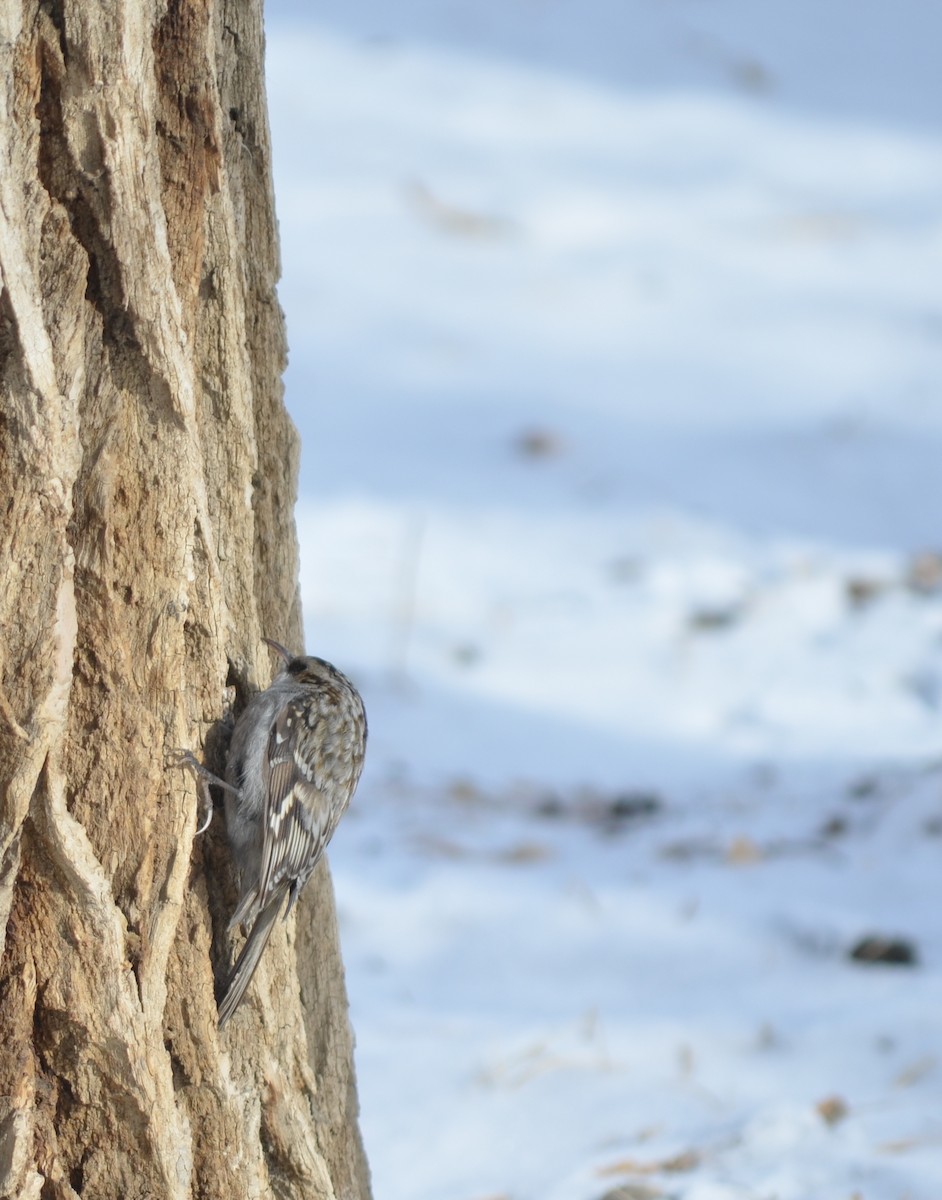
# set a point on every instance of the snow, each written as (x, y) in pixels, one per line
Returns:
(616, 347)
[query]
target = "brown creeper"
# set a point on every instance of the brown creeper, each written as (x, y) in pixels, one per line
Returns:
(294, 762)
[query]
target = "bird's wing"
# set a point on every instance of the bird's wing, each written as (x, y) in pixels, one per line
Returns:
(298, 816)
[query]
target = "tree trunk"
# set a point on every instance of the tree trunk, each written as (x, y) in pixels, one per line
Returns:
(147, 477)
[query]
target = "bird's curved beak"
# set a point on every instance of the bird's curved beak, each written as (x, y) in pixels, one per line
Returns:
(278, 648)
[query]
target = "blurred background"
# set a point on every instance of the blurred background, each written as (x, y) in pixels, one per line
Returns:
(616, 351)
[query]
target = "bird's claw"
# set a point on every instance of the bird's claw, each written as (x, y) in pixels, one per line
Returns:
(208, 801)
(204, 778)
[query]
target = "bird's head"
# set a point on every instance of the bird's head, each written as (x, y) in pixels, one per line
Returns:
(305, 668)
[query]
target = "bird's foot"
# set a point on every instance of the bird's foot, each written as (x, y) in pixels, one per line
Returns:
(205, 779)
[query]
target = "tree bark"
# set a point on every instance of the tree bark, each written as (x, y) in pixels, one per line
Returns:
(147, 477)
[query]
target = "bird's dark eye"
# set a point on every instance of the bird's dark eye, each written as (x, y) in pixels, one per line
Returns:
(297, 666)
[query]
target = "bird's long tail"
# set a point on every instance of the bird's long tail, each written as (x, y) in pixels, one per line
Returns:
(247, 961)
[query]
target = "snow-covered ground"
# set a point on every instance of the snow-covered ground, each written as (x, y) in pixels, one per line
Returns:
(616, 347)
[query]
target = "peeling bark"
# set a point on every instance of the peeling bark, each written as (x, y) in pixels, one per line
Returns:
(147, 476)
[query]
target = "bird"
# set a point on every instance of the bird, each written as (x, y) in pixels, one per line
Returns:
(294, 762)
